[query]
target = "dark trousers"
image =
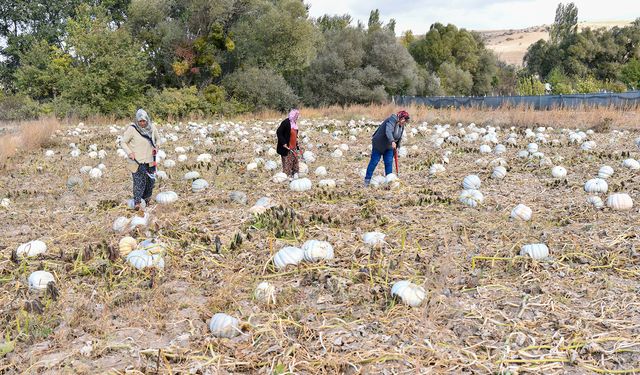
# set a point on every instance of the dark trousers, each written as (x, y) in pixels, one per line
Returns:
(142, 184)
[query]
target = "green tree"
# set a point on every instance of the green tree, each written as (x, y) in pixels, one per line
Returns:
(530, 85)
(630, 74)
(374, 23)
(108, 72)
(565, 24)
(43, 71)
(278, 36)
(455, 81)
(260, 89)
(588, 85)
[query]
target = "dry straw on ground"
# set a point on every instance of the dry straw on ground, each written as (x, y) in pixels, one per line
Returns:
(488, 310)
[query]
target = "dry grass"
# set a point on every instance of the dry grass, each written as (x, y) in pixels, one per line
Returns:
(519, 117)
(488, 310)
(27, 137)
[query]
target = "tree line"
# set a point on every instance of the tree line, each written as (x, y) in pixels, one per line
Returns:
(204, 57)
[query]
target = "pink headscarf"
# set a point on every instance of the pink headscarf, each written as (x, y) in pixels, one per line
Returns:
(293, 118)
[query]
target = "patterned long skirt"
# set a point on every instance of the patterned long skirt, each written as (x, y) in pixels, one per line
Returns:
(142, 184)
(290, 164)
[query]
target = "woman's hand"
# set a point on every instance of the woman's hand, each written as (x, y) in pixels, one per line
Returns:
(393, 145)
(132, 156)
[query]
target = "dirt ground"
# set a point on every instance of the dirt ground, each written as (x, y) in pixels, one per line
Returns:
(487, 309)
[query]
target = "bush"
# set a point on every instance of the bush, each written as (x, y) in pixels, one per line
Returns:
(18, 107)
(260, 89)
(172, 103)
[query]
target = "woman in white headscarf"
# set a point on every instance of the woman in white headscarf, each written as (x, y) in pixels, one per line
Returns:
(288, 143)
(139, 142)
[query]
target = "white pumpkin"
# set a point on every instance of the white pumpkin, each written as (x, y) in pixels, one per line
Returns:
(127, 245)
(308, 157)
(31, 249)
(595, 201)
(95, 173)
(328, 183)
(436, 169)
(499, 149)
(223, 325)
(288, 255)
(162, 175)
(377, 181)
(279, 177)
(558, 172)
(588, 146)
(605, 172)
(472, 181)
(140, 259)
(270, 165)
(300, 184)
(182, 158)
(199, 185)
(373, 238)
(403, 152)
(535, 251)
(521, 212)
(485, 149)
(169, 163)
(532, 148)
(523, 154)
(631, 164)
(499, 172)
(620, 202)
(192, 175)
(120, 224)
(166, 197)
(320, 171)
(265, 292)
(596, 186)
(5, 203)
(49, 153)
(471, 197)
(315, 250)
(410, 293)
(137, 221)
(303, 169)
(337, 153)
(39, 280)
(204, 158)
(132, 204)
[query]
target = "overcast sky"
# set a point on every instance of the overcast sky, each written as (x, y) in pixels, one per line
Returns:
(418, 15)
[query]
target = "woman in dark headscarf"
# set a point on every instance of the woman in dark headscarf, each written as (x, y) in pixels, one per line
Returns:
(384, 143)
(288, 143)
(139, 142)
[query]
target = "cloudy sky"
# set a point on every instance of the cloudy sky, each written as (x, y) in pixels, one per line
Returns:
(418, 15)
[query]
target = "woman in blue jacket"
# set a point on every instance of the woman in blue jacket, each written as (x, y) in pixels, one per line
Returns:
(384, 142)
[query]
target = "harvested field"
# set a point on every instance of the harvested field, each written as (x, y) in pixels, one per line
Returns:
(487, 309)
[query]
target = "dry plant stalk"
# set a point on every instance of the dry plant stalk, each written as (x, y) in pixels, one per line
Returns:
(29, 136)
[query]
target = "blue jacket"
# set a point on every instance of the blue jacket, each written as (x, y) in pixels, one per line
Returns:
(389, 131)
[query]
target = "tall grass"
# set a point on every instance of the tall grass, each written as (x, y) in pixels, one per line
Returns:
(26, 136)
(583, 118)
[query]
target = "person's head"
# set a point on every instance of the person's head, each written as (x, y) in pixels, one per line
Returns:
(293, 115)
(142, 118)
(403, 117)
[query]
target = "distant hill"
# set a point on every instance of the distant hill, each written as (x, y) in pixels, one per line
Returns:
(511, 45)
